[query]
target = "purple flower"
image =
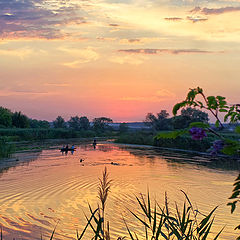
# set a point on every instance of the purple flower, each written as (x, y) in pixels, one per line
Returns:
(197, 133)
(217, 147)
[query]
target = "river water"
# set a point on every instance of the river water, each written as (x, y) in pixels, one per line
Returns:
(53, 188)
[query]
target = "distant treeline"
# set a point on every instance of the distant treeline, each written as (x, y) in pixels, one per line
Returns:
(162, 121)
(9, 119)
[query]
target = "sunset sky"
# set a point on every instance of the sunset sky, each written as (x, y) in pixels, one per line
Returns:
(115, 58)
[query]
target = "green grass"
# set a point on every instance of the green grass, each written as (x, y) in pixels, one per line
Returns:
(28, 134)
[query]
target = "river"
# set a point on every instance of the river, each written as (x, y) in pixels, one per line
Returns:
(53, 188)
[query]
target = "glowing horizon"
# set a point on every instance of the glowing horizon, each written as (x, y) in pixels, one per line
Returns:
(120, 59)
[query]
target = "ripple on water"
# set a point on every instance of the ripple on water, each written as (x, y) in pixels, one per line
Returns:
(56, 187)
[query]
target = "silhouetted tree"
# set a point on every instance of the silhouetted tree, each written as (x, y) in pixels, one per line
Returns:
(44, 124)
(158, 122)
(34, 123)
(5, 117)
(189, 115)
(84, 123)
(100, 124)
(59, 122)
(74, 123)
(20, 120)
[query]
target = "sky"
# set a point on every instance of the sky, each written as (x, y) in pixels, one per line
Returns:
(115, 58)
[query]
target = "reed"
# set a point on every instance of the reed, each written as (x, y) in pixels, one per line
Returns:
(160, 223)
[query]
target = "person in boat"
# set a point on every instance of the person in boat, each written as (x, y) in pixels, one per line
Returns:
(94, 143)
(72, 149)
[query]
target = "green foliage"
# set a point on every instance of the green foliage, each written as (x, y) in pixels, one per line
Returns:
(101, 124)
(74, 123)
(158, 122)
(199, 125)
(34, 123)
(20, 120)
(233, 114)
(28, 134)
(171, 134)
(160, 223)
(5, 117)
(213, 104)
(179, 106)
(139, 137)
(5, 148)
(79, 123)
(237, 129)
(231, 147)
(84, 123)
(185, 142)
(59, 122)
(189, 115)
(235, 195)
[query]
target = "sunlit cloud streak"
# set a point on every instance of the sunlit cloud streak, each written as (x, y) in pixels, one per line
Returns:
(214, 11)
(167, 51)
(196, 19)
(175, 19)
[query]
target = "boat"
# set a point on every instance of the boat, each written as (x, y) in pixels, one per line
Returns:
(67, 149)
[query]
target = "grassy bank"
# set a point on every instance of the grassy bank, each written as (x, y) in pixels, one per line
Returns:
(28, 134)
(182, 142)
(5, 148)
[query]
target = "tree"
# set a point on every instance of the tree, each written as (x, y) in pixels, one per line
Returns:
(20, 120)
(5, 117)
(189, 115)
(100, 124)
(34, 123)
(59, 122)
(43, 124)
(84, 123)
(74, 123)
(158, 122)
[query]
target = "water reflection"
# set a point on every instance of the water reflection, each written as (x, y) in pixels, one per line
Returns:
(36, 195)
(18, 160)
(219, 163)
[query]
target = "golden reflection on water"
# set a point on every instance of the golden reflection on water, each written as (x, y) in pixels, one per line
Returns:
(57, 188)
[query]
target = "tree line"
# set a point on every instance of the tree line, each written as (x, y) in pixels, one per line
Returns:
(157, 122)
(162, 121)
(9, 119)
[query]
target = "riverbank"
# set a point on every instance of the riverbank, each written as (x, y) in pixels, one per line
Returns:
(183, 143)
